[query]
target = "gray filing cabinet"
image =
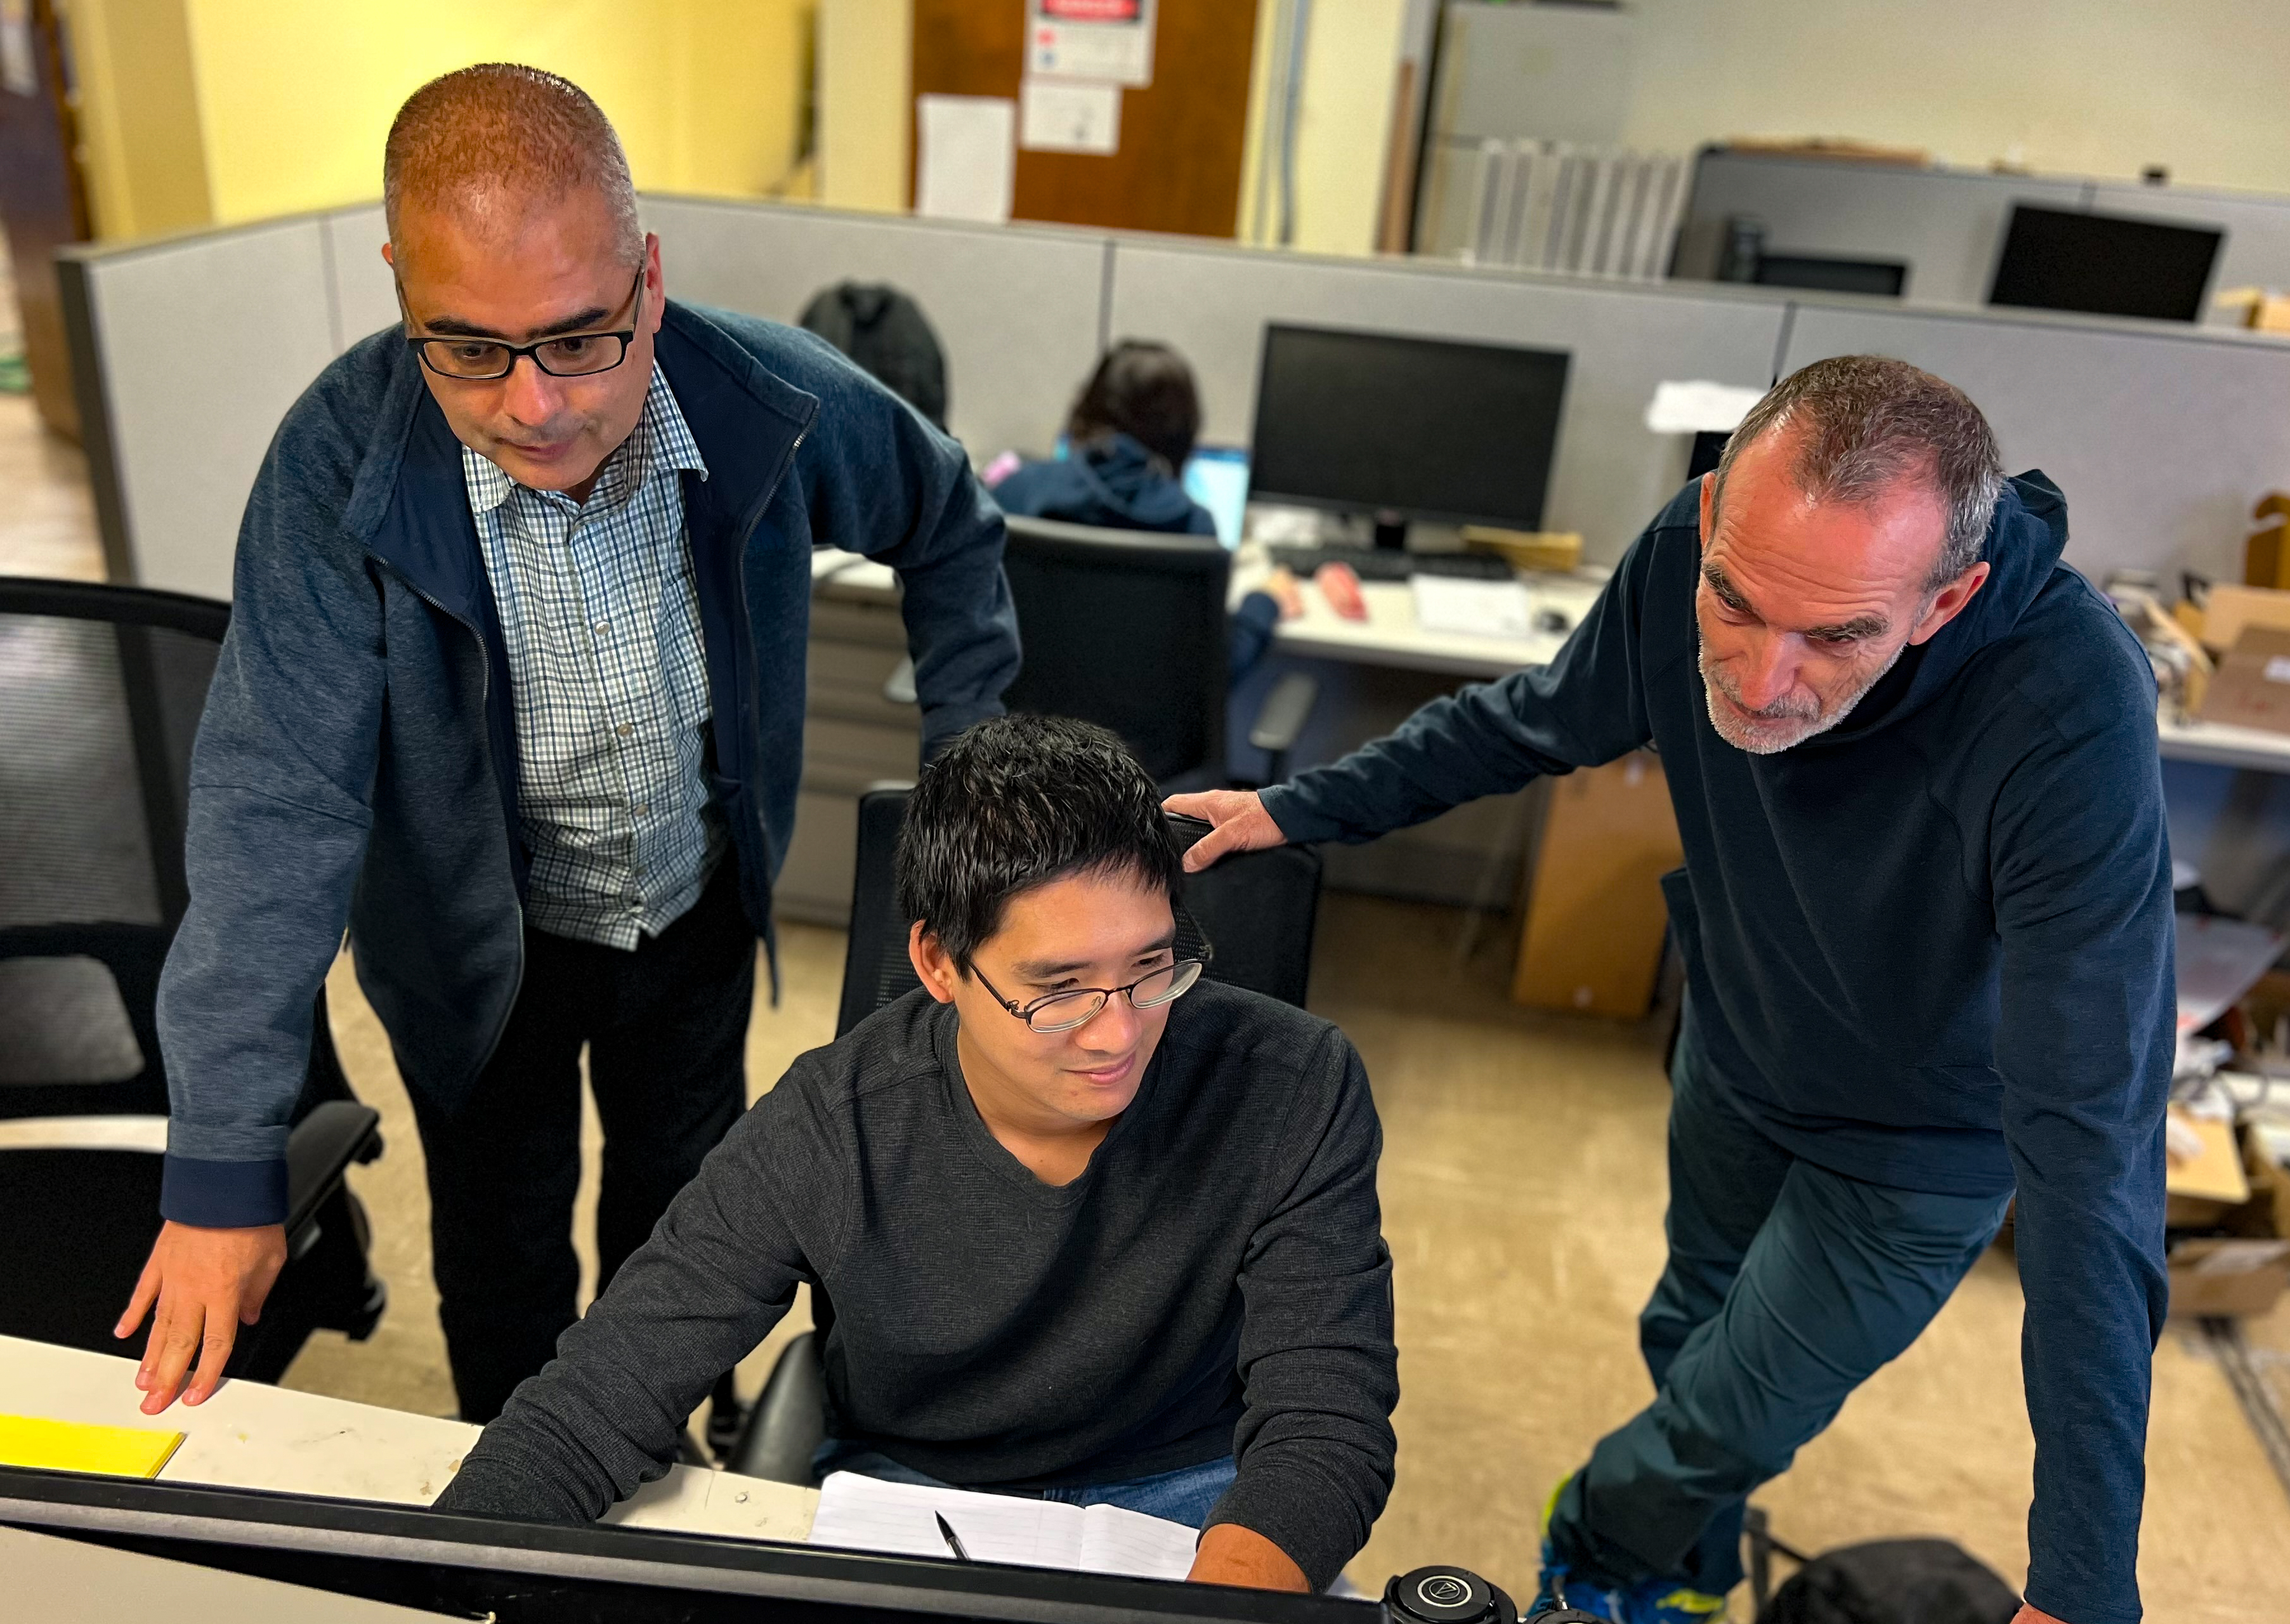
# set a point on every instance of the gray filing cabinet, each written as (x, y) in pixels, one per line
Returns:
(853, 738)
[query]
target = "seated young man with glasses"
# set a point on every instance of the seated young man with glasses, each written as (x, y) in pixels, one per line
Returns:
(1094, 1229)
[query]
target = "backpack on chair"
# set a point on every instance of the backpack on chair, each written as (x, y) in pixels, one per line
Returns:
(887, 333)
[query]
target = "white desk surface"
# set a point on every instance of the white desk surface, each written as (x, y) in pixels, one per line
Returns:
(2221, 744)
(252, 1436)
(1390, 635)
(53, 1581)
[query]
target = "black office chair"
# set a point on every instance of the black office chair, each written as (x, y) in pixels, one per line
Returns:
(100, 691)
(1253, 917)
(1126, 628)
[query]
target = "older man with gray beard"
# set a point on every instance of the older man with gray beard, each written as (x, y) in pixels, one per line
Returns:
(1925, 914)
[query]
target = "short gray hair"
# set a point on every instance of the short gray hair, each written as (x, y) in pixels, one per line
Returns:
(501, 127)
(1869, 421)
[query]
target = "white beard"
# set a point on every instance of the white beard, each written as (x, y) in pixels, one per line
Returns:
(1777, 729)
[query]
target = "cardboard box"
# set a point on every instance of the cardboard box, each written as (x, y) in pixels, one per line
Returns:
(2229, 610)
(2244, 1270)
(2251, 687)
(1595, 914)
(2228, 1279)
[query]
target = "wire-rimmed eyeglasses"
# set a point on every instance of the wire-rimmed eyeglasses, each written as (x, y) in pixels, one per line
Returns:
(574, 355)
(1062, 1012)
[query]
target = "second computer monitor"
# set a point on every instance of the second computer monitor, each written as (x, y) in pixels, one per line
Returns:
(2105, 264)
(1405, 428)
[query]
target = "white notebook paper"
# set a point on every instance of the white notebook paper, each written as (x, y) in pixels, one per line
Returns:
(1474, 608)
(861, 1513)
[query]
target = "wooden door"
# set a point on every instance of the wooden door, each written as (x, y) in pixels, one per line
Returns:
(1178, 164)
(42, 201)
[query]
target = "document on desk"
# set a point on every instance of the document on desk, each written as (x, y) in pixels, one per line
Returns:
(866, 1514)
(1472, 608)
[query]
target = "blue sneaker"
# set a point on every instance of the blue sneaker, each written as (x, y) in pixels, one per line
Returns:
(1653, 1601)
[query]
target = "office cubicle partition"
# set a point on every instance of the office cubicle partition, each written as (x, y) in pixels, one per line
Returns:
(1017, 308)
(191, 349)
(1948, 224)
(2163, 436)
(1611, 473)
(1943, 223)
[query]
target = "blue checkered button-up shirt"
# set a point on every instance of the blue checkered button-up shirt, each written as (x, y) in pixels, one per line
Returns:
(602, 623)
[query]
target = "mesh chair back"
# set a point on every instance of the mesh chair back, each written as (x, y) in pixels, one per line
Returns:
(100, 691)
(1125, 629)
(1252, 917)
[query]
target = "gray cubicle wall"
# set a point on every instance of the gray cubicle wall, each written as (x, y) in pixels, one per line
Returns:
(193, 348)
(1944, 223)
(2162, 436)
(1017, 308)
(1612, 473)
(1948, 224)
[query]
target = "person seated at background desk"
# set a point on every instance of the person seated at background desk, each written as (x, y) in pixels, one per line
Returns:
(1128, 438)
(1059, 1212)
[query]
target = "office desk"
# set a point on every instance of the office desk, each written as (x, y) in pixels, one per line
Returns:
(1390, 635)
(2221, 744)
(252, 1436)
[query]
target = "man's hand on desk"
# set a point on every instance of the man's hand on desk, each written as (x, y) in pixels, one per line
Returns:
(1241, 824)
(206, 1282)
(1231, 1554)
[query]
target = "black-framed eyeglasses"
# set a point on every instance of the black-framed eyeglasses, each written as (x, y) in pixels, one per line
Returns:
(575, 355)
(1062, 1012)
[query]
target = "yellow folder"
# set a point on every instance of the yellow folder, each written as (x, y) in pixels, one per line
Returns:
(77, 1447)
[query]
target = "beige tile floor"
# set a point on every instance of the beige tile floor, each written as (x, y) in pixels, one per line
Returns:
(1523, 1187)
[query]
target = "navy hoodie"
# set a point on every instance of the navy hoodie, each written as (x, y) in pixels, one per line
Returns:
(1930, 948)
(1115, 484)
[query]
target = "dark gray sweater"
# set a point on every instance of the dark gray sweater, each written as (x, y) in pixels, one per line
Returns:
(1215, 1281)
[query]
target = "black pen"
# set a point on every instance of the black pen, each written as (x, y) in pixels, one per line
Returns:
(953, 1543)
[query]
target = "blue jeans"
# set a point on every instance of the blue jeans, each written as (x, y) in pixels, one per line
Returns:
(1787, 1286)
(1186, 1495)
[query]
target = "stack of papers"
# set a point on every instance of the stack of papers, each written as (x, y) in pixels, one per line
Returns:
(1472, 608)
(79, 1447)
(866, 1513)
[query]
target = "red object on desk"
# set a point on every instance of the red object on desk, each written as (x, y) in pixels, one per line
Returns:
(1341, 588)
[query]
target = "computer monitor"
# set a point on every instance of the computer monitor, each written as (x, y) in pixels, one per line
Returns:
(1884, 278)
(465, 1566)
(1405, 428)
(2105, 264)
(1216, 476)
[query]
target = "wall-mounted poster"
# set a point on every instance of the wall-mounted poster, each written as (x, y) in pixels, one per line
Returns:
(1108, 40)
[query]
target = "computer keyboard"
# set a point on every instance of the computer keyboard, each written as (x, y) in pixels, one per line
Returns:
(1382, 564)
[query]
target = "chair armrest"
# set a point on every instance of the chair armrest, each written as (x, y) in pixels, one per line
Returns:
(790, 1420)
(322, 1145)
(1282, 716)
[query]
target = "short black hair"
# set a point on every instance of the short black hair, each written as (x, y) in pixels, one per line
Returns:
(1144, 390)
(1018, 802)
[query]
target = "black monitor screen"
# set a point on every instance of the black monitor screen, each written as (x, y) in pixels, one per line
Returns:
(1419, 427)
(1885, 278)
(2105, 264)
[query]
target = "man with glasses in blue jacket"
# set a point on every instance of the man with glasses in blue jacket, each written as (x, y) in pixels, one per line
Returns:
(513, 689)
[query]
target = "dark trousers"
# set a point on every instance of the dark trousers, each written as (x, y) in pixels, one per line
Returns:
(1787, 1286)
(665, 1028)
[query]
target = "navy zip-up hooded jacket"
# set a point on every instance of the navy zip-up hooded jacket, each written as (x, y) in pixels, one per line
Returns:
(357, 762)
(1115, 486)
(1930, 948)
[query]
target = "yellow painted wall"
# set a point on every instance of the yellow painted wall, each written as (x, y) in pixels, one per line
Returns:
(139, 116)
(866, 65)
(294, 97)
(1351, 60)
